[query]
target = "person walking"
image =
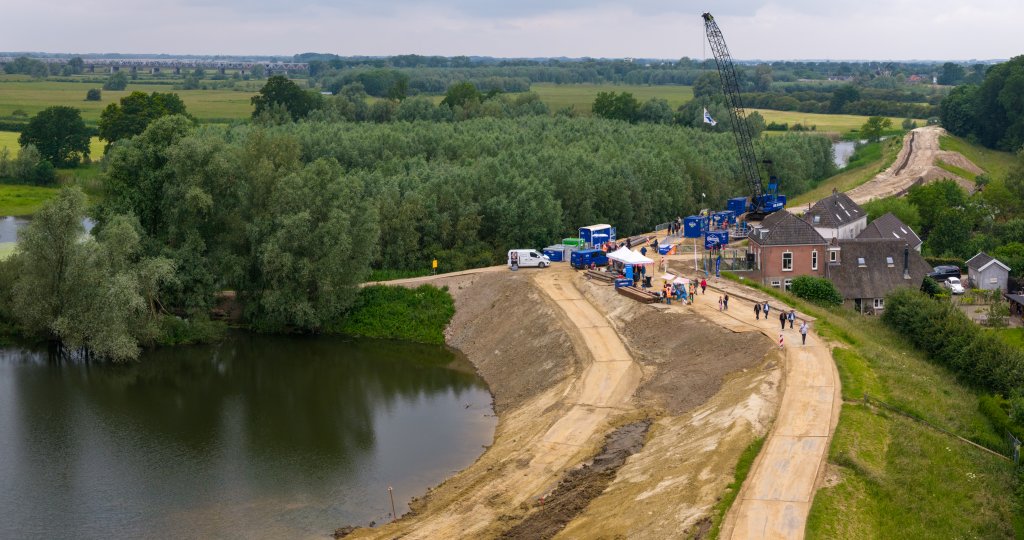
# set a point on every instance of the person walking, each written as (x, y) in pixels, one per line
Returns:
(703, 286)
(765, 308)
(719, 303)
(792, 318)
(782, 320)
(725, 302)
(757, 310)
(803, 333)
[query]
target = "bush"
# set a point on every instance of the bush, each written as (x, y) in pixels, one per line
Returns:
(93, 94)
(952, 261)
(178, 331)
(380, 311)
(818, 290)
(952, 340)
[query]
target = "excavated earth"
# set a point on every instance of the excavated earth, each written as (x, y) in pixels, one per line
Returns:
(649, 463)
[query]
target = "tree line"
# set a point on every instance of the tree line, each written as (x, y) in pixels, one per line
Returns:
(990, 113)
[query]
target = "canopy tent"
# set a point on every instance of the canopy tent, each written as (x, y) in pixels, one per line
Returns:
(668, 277)
(626, 256)
(681, 281)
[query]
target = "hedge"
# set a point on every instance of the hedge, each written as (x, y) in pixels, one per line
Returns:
(951, 339)
(818, 290)
(952, 261)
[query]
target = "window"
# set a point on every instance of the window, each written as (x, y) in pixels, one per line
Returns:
(787, 262)
(789, 284)
(817, 220)
(889, 261)
(776, 283)
(833, 256)
(814, 260)
(860, 262)
(993, 280)
(879, 303)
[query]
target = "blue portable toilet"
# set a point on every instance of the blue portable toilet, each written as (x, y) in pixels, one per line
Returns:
(737, 205)
(694, 226)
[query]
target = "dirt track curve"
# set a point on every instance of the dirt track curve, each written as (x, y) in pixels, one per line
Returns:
(916, 163)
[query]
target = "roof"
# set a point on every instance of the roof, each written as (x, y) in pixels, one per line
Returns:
(834, 211)
(627, 256)
(982, 260)
(597, 227)
(784, 229)
(875, 278)
(889, 227)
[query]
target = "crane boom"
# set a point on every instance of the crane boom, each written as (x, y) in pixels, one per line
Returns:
(760, 201)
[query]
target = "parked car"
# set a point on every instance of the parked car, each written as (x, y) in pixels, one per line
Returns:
(942, 272)
(527, 257)
(954, 285)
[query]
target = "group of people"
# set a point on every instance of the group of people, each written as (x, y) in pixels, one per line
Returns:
(784, 317)
(675, 226)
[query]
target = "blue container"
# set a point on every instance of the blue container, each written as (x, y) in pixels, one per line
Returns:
(726, 217)
(556, 252)
(623, 283)
(737, 205)
(694, 226)
(594, 235)
(582, 258)
(663, 249)
(714, 239)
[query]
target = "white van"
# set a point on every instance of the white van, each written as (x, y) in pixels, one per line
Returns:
(527, 257)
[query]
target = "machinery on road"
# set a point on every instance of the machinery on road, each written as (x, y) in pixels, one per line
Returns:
(761, 201)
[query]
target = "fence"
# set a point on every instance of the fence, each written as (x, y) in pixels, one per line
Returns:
(733, 260)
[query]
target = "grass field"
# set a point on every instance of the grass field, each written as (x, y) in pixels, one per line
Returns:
(994, 162)
(9, 139)
(6, 248)
(31, 96)
(851, 177)
(827, 123)
(894, 477)
(17, 200)
(581, 96)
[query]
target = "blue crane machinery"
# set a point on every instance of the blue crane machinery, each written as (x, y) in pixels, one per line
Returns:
(761, 201)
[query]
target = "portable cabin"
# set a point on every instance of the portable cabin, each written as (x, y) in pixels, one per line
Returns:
(737, 205)
(558, 252)
(593, 235)
(572, 242)
(694, 226)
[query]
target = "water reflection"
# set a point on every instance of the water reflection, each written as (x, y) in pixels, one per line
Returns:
(255, 437)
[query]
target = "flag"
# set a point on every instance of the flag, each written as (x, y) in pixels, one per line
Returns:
(708, 119)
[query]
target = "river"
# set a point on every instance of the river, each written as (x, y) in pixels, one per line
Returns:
(255, 437)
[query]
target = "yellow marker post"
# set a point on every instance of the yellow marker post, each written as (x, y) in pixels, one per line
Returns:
(433, 266)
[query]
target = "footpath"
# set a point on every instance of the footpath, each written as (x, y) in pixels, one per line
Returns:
(776, 497)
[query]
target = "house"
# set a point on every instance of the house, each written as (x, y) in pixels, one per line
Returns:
(986, 272)
(865, 270)
(888, 227)
(837, 216)
(784, 247)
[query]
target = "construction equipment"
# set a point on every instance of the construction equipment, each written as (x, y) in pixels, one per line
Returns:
(761, 201)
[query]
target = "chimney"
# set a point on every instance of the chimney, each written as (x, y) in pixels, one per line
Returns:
(906, 261)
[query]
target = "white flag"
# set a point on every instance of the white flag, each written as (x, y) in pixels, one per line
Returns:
(708, 119)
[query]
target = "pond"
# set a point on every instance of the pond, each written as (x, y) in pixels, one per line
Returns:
(9, 226)
(255, 437)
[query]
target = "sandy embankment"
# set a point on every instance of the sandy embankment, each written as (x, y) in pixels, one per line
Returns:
(708, 391)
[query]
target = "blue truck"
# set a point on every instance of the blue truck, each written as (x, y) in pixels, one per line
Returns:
(585, 257)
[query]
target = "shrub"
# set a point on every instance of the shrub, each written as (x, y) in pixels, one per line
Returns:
(950, 261)
(93, 94)
(818, 290)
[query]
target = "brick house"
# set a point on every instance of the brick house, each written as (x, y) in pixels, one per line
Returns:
(837, 216)
(784, 247)
(865, 270)
(889, 227)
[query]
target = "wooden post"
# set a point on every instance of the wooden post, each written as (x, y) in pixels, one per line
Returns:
(391, 494)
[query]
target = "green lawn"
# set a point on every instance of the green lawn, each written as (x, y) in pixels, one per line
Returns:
(581, 96)
(17, 200)
(6, 248)
(9, 139)
(827, 123)
(851, 177)
(32, 96)
(895, 474)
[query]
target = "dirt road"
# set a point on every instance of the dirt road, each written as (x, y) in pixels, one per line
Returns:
(916, 162)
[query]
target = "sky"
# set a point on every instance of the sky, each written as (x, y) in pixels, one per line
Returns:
(754, 29)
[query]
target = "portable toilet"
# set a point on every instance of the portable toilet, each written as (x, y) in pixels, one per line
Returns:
(737, 205)
(694, 226)
(556, 252)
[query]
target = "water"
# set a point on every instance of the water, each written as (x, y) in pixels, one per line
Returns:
(9, 226)
(257, 437)
(842, 151)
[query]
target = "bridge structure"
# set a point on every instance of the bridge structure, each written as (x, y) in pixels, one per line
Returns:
(175, 65)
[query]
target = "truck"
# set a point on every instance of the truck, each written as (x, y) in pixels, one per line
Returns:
(584, 258)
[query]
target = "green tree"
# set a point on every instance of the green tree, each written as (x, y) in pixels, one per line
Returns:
(60, 135)
(933, 198)
(461, 94)
(75, 66)
(842, 96)
(258, 71)
(27, 66)
(134, 112)
(957, 110)
(872, 129)
(616, 106)
(951, 234)
(899, 207)
(951, 74)
(117, 81)
(279, 89)
(709, 84)
(93, 94)
(1012, 255)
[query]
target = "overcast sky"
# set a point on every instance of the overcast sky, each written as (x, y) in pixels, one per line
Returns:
(754, 29)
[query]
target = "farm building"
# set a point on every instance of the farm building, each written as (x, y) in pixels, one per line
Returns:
(837, 216)
(986, 272)
(890, 227)
(784, 247)
(866, 270)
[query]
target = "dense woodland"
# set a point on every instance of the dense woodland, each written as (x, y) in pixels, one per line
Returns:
(992, 112)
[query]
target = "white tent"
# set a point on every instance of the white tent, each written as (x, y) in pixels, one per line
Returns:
(668, 277)
(626, 256)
